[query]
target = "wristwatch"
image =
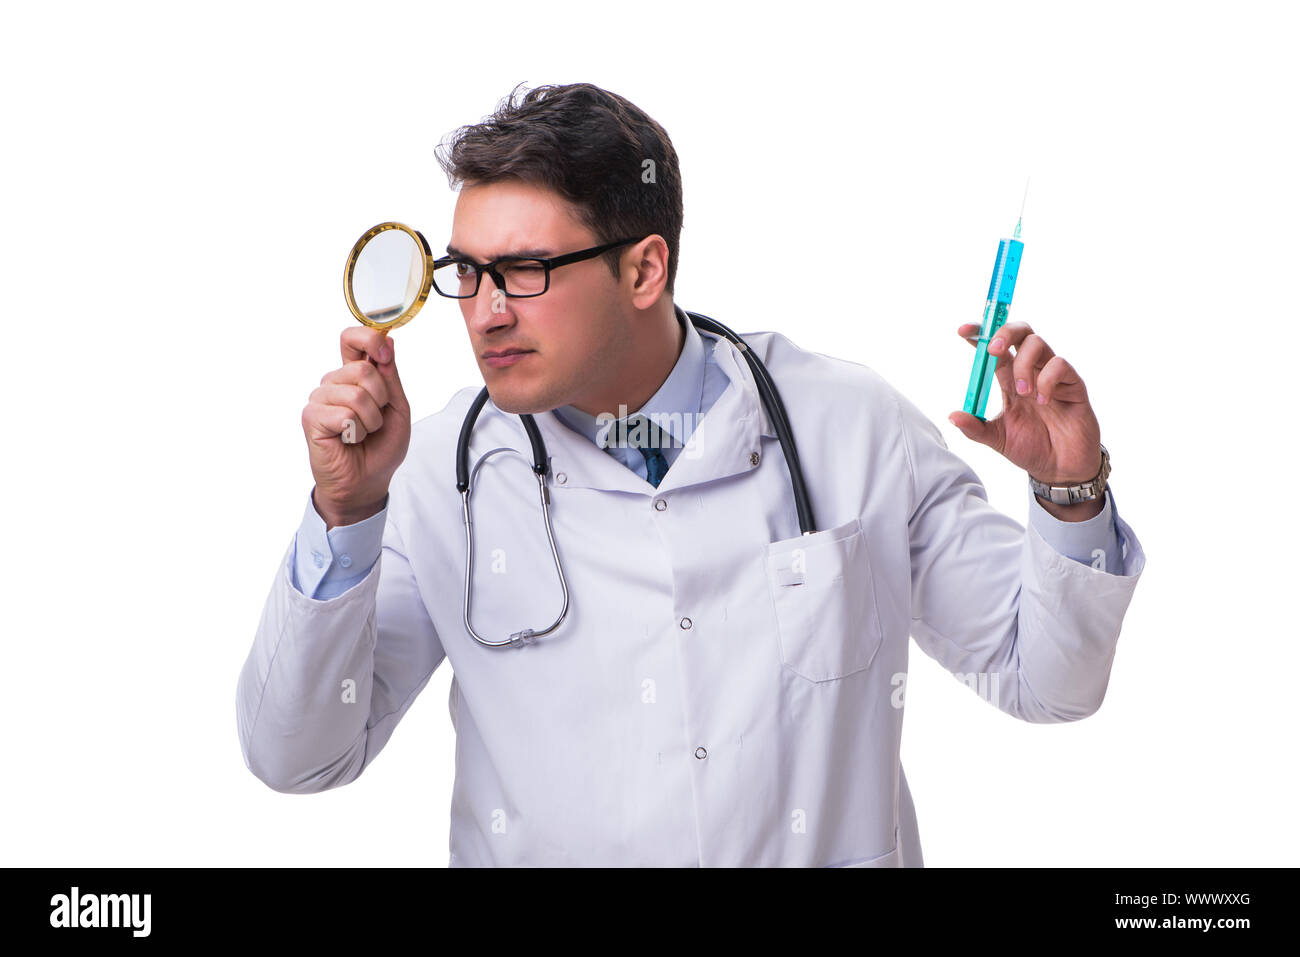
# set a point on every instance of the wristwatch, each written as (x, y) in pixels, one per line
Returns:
(1071, 494)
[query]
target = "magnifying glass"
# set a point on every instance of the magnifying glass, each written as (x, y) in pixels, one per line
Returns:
(388, 276)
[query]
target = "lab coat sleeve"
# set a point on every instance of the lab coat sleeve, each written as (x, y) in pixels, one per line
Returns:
(1031, 630)
(1094, 541)
(327, 681)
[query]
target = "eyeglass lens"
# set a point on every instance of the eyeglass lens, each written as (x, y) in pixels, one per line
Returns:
(523, 277)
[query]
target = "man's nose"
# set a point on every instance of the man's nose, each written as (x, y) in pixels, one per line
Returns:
(489, 309)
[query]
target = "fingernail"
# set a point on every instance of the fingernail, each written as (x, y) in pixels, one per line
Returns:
(1041, 398)
(996, 344)
(1022, 386)
(386, 352)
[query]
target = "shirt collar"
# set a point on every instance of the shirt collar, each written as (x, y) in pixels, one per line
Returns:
(681, 393)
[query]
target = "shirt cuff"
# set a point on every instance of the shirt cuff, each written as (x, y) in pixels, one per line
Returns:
(1094, 541)
(326, 563)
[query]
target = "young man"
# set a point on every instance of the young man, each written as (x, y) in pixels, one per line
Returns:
(723, 690)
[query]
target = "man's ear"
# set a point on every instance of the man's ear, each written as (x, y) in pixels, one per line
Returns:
(647, 264)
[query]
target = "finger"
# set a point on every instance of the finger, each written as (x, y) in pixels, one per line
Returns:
(353, 397)
(970, 331)
(1009, 337)
(361, 372)
(1060, 381)
(1033, 354)
(328, 421)
(362, 342)
(396, 394)
(1002, 370)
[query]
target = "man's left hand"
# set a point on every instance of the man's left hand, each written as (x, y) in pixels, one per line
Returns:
(1046, 426)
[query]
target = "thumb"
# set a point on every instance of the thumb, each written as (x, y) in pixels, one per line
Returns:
(977, 430)
(388, 369)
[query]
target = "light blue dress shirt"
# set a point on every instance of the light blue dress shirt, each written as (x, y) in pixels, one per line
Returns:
(328, 563)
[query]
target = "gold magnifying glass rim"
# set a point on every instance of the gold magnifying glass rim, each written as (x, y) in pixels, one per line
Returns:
(425, 284)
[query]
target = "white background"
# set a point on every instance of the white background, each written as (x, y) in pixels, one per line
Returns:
(181, 187)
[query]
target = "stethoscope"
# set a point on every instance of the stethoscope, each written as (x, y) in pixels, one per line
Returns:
(772, 404)
(387, 280)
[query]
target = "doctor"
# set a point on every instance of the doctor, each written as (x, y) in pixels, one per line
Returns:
(723, 690)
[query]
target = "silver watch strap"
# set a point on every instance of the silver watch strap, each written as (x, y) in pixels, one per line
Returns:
(1072, 494)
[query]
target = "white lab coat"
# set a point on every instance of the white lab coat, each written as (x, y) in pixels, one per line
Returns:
(724, 690)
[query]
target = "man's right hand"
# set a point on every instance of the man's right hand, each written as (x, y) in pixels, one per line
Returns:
(358, 427)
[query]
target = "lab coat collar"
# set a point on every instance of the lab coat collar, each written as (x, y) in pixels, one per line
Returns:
(724, 443)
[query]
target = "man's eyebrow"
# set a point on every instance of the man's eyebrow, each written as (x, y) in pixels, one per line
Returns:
(538, 253)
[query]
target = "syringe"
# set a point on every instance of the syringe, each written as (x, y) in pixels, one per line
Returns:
(1005, 269)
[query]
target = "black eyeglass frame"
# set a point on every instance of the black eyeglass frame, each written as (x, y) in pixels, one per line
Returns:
(547, 264)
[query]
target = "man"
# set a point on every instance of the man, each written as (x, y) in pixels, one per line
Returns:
(724, 690)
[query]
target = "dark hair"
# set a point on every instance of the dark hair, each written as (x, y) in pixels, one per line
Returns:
(589, 146)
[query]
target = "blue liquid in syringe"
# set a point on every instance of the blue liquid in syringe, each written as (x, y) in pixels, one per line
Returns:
(1005, 269)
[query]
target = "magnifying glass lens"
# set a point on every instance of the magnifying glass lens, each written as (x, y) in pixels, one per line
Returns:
(388, 275)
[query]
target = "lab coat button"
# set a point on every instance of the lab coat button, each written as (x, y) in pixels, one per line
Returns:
(561, 478)
(345, 561)
(320, 559)
(660, 505)
(685, 623)
(701, 753)
(753, 458)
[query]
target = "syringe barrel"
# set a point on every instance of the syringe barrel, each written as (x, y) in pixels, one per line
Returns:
(1006, 267)
(1001, 287)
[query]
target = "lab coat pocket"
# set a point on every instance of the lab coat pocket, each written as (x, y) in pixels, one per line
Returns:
(889, 859)
(827, 622)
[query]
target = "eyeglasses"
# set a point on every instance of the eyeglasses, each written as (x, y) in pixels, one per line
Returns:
(517, 277)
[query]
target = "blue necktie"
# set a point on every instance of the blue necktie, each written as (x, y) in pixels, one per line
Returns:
(655, 464)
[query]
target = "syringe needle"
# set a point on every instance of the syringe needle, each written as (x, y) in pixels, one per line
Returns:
(1022, 209)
